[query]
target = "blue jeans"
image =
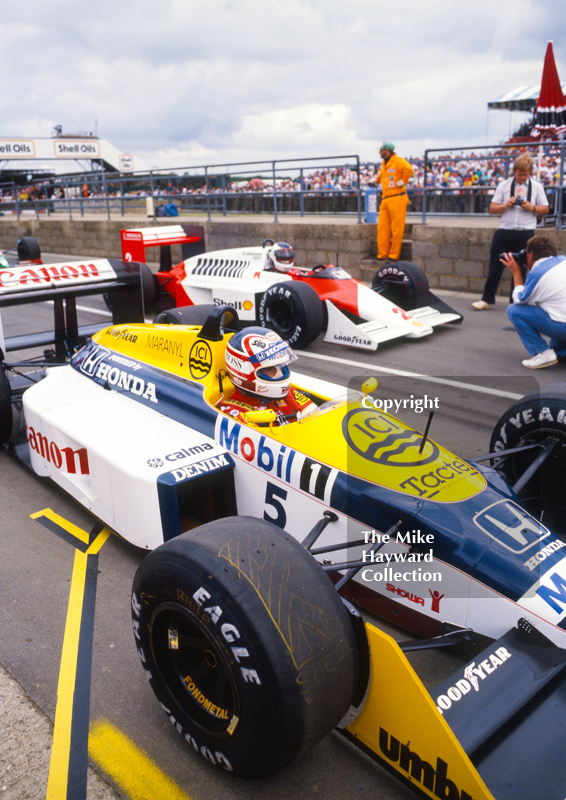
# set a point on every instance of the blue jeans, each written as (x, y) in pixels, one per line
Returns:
(530, 322)
(504, 241)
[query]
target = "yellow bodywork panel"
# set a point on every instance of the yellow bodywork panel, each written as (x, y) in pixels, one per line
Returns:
(400, 723)
(347, 435)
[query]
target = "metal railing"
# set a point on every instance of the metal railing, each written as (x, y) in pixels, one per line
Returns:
(463, 197)
(287, 188)
(208, 189)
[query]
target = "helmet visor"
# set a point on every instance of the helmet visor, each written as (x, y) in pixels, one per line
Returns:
(278, 373)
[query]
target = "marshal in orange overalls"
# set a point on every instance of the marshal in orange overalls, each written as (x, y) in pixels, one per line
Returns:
(393, 175)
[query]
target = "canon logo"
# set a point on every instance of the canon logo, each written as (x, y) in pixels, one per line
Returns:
(64, 458)
(47, 275)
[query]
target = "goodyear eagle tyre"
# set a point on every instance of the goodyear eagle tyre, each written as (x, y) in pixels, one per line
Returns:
(536, 418)
(400, 282)
(28, 249)
(185, 315)
(294, 311)
(246, 643)
(5, 408)
(151, 290)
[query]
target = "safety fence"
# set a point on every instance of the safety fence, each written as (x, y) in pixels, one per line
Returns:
(330, 185)
(435, 199)
(287, 186)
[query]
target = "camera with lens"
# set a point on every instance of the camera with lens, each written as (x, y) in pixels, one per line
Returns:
(519, 201)
(520, 258)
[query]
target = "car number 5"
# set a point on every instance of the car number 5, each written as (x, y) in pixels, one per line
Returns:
(274, 495)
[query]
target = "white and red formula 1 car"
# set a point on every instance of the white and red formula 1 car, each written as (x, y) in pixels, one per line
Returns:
(299, 302)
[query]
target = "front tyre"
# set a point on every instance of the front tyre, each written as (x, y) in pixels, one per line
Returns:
(246, 643)
(6, 415)
(537, 418)
(294, 311)
(400, 282)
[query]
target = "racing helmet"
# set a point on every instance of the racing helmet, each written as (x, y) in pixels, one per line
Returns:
(281, 256)
(257, 361)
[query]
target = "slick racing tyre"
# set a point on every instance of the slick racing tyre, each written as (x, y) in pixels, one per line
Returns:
(537, 418)
(185, 315)
(5, 408)
(294, 311)
(28, 249)
(246, 643)
(151, 290)
(400, 282)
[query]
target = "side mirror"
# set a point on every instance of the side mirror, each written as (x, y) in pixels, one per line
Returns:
(369, 386)
(265, 417)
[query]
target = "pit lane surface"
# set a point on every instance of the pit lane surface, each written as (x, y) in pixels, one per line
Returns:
(35, 572)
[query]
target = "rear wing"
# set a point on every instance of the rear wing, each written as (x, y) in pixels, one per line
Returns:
(135, 241)
(119, 281)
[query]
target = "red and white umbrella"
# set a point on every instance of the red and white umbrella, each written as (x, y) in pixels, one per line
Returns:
(550, 115)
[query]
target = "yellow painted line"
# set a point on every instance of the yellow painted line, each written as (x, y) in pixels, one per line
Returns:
(130, 769)
(98, 542)
(63, 523)
(60, 752)
(59, 764)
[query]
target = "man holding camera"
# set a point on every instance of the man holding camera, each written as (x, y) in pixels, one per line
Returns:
(539, 305)
(519, 200)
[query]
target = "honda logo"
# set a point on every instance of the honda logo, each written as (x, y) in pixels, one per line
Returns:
(511, 526)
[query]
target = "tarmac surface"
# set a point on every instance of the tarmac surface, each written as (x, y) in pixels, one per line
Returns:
(485, 350)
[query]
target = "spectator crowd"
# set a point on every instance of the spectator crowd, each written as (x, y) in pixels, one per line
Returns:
(456, 172)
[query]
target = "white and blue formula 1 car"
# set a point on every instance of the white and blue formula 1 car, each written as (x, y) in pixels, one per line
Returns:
(298, 303)
(247, 644)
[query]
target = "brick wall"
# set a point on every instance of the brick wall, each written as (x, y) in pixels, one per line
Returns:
(457, 258)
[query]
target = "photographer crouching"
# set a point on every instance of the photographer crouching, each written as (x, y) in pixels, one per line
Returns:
(539, 304)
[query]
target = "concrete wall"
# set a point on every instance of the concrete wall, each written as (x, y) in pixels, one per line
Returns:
(314, 243)
(457, 257)
(452, 257)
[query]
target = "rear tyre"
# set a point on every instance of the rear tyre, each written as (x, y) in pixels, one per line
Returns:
(185, 315)
(294, 311)
(6, 414)
(534, 419)
(151, 290)
(28, 249)
(246, 643)
(400, 282)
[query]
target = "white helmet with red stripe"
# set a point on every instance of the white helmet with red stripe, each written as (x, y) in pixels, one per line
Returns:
(257, 361)
(282, 256)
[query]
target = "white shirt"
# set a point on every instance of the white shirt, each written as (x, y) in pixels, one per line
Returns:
(545, 287)
(515, 217)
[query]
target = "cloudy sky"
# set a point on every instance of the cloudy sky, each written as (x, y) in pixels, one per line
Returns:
(193, 82)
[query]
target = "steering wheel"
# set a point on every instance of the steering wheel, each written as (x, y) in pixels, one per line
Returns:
(267, 241)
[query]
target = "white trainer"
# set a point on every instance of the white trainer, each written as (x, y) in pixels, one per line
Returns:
(545, 359)
(481, 305)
